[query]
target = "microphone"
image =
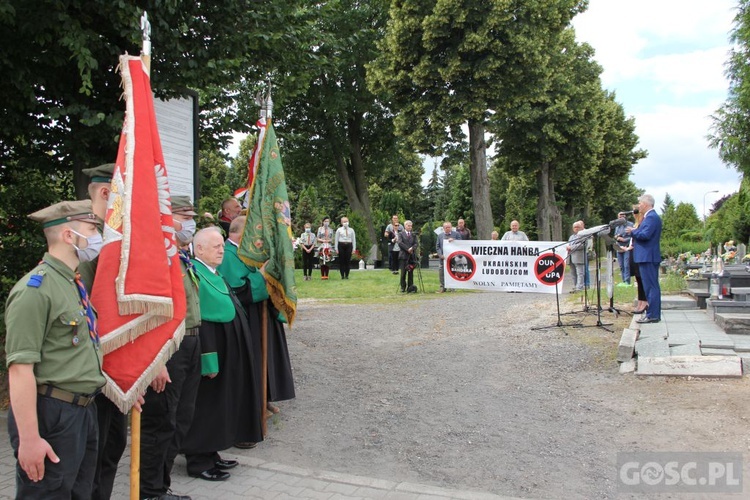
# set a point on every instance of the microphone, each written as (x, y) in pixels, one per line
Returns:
(603, 229)
(629, 212)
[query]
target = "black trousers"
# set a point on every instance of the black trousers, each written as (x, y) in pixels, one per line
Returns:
(393, 259)
(308, 260)
(345, 258)
(72, 431)
(406, 274)
(167, 416)
(113, 439)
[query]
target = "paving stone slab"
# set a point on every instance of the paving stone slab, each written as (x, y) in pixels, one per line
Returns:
(685, 350)
(741, 342)
(682, 339)
(708, 351)
(716, 342)
(652, 348)
(697, 366)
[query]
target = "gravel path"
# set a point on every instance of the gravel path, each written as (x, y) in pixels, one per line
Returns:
(458, 391)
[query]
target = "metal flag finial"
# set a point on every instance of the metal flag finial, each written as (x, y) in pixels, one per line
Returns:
(146, 29)
(265, 103)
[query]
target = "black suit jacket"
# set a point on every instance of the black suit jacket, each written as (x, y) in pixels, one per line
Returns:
(405, 242)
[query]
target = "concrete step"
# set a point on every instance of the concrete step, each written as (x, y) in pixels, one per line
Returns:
(670, 302)
(716, 306)
(733, 323)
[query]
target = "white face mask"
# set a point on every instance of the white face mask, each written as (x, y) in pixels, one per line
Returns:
(94, 245)
(188, 230)
(325, 224)
(346, 224)
(307, 229)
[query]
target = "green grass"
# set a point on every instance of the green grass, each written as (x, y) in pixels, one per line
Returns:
(362, 287)
(670, 283)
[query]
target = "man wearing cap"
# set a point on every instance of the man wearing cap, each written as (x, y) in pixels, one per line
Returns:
(170, 400)
(54, 365)
(113, 424)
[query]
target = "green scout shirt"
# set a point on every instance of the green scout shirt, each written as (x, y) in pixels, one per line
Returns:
(193, 314)
(41, 323)
(236, 272)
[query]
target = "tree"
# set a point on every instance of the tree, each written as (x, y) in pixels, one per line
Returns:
(213, 173)
(336, 131)
(570, 135)
(668, 206)
(447, 63)
(730, 132)
(679, 220)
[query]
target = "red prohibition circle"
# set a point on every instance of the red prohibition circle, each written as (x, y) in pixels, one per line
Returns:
(461, 265)
(549, 269)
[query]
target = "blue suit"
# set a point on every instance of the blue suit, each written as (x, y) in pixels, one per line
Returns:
(647, 253)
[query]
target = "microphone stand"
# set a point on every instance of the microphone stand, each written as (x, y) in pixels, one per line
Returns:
(559, 323)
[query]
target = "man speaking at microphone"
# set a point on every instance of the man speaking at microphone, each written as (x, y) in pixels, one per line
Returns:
(647, 254)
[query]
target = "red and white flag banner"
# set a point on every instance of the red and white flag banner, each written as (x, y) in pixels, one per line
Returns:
(138, 291)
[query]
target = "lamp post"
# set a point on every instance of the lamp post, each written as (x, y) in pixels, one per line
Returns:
(704, 205)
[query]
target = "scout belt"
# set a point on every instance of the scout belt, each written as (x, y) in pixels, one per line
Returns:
(68, 397)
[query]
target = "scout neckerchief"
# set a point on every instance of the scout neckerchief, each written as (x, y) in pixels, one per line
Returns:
(90, 316)
(190, 267)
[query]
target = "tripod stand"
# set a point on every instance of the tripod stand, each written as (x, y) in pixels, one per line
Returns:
(598, 291)
(559, 323)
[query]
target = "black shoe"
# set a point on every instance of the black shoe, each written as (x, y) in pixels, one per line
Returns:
(403, 291)
(249, 445)
(226, 464)
(172, 496)
(648, 320)
(212, 474)
(640, 311)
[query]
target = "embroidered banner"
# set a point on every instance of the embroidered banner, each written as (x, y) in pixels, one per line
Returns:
(138, 291)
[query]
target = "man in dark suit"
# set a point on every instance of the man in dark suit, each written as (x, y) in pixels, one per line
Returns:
(647, 254)
(407, 257)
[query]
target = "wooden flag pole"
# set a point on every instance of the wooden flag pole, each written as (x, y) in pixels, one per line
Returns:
(135, 454)
(264, 364)
(135, 415)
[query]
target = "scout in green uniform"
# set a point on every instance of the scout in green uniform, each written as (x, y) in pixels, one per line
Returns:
(170, 400)
(54, 365)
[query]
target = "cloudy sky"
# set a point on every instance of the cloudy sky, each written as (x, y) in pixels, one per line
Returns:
(665, 61)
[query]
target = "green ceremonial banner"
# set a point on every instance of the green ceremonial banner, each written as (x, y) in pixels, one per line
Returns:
(267, 237)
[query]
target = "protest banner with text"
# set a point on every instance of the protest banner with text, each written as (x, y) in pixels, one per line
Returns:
(505, 266)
